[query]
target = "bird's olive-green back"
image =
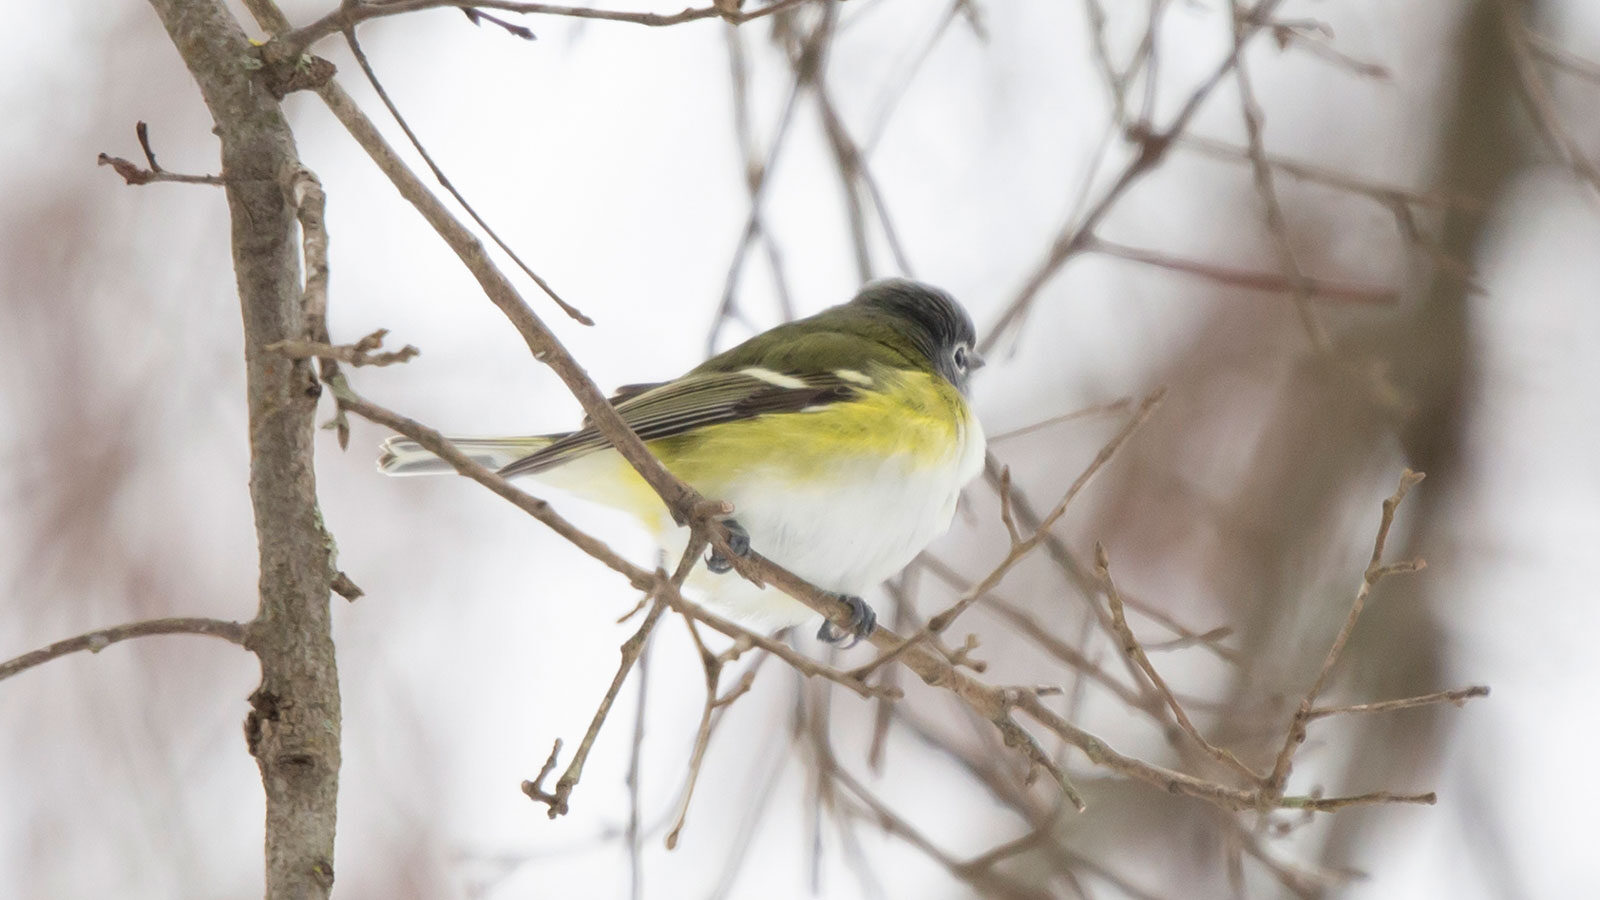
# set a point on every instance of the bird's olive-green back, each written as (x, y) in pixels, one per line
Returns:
(808, 364)
(843, 337)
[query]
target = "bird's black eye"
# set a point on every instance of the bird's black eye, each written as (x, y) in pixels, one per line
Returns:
(961, 357)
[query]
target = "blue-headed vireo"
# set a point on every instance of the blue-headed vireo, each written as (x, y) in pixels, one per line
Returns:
(843, 441)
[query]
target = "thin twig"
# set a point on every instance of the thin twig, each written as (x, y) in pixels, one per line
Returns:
(133, 174)
(535, 788)
(445, 182)
(1019, 551)
(980, 872)
(99, 639)
(1277, 223)
(364, 352)
(350, 14)
(1301, 881)
(1398, 202)
(557, 800)
(1316, 288)
(1458, 697)
(857, 179)
(310, 204)
(758, 175)
(799, 662)
(1020, 547)
(890, 101)
(1098, 409)
(1130, 646)
(1005, 506)
(1342, 181)
(1102, 754)
(1560, 57)
(1376, 571)
(1541, 106)
(1333, 804)
(902, 592)
(713, 665)
(1316, 38)
(632, 834)
(632, 648)
(1152, 148)
(1032, 629)
(756, 169)
(754, 817)
(1100, 51)
(681, 500)
(1079, 575)
(477, 17)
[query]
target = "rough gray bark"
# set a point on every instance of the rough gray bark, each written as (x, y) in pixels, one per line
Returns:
(293, 728)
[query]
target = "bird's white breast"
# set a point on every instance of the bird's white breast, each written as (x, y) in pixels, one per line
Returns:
(845, 533)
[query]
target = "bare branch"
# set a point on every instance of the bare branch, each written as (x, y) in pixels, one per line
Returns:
(633, 836)
(557, 799)
(679, 498)
(713, 665)
(1080, 575)
(1314, 174)
(349, 15)
(1333, 804)
(632, 648)
(1098, 409)
(1021, 549)
(1561, 58)
(1101, 754)
(1541, 106)
(95, 641)
(444, 181)
(1317, 38)
(1130, 646)
(134, 175)
(994, 704)
(535, 788)
(1005, 506)
(1152, 148)
(1315, 288)
(1277, 224)
(364, 352)
(1375, 573)
(979, 872)
(1456, 697)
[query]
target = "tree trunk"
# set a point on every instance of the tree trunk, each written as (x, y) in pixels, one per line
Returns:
(293, 728)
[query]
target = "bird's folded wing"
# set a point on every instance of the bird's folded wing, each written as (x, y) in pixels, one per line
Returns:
(699, 400)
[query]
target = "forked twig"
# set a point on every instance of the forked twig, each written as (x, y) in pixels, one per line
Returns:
(1130, 646)
(1376, 572)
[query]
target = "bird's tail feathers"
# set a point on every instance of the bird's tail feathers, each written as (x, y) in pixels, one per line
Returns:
(403, 456)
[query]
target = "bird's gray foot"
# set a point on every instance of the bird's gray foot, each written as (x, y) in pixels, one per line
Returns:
(862, 621)
(738, 542)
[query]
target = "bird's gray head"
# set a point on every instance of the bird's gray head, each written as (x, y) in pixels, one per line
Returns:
(932, 320)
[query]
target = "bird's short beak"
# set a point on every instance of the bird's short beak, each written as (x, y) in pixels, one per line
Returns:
(974, 361)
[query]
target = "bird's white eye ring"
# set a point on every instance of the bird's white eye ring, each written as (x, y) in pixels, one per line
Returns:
(961, 357)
